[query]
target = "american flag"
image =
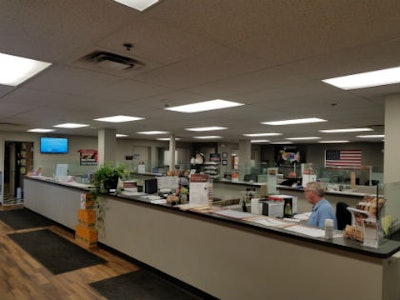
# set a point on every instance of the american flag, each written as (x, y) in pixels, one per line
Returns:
(350, 159)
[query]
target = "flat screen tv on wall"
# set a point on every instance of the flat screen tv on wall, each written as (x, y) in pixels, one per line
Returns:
(53, 145)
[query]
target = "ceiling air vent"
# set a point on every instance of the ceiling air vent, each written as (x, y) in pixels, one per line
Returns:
(111, 61)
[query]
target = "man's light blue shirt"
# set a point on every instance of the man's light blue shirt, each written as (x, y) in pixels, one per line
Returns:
(320, 212)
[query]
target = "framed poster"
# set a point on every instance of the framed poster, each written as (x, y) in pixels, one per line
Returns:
(88, 157)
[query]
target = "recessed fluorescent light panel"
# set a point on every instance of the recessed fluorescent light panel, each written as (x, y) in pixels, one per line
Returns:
(41, 130)
(372, 136)
(366, 79)
(118, 119)
(208, 137)
(71, 125)
(262, 134)
(138, 4)
(344, 130)
(14, 70)
(303, 138)
(281, 143)
(210, 128)
(259, 141)
(118, 135)
(152, 132)
(294, 121)
(332, 142)
(204, 106)
(167, 139)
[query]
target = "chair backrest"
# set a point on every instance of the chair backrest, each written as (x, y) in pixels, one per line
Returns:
(343, 216)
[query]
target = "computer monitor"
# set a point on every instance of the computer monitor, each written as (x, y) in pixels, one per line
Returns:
(150, 186)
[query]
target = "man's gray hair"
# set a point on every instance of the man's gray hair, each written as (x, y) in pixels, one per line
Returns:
(317, 187)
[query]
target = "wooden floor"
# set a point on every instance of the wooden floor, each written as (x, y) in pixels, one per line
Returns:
(22, 277)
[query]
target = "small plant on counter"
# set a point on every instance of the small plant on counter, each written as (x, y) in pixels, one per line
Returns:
(104, 179)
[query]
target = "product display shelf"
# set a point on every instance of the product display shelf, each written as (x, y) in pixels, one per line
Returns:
(212, 169)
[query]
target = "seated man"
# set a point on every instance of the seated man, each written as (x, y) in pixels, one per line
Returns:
(321, 209)
(292, 179)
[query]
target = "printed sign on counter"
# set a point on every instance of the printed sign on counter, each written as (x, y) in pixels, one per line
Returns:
(199, 189)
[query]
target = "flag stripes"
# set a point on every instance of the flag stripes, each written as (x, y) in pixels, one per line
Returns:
(350, 159)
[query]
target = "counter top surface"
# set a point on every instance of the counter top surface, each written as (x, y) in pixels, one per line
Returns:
(385, 250)
(332, 192)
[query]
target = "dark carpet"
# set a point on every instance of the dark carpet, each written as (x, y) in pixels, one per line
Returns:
(141, 284)
(23, 219)
(54, 252)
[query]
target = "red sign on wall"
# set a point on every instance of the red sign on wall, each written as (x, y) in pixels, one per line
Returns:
(88, 157)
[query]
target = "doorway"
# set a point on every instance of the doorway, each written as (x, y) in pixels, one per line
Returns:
(18, 161)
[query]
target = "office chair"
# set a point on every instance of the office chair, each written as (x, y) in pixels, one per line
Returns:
(343, 216)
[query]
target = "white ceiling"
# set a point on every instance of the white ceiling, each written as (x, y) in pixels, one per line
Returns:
(268, 54)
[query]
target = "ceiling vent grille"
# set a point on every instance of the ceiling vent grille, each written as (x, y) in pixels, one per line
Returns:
(111, 61)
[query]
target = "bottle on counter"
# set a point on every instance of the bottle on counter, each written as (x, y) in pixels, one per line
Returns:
(328, 229)
(288, 210)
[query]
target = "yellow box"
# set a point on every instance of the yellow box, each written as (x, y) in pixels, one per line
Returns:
(87, 201)
(85, 236)
(87, 218)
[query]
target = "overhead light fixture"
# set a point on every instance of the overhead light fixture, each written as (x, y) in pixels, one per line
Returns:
(372, 136)
(118, 135)
(152, 132)
(259, 141)
(138, 4)
(41, 130)
(333, 142)
(208, 137)
(14, 70)
(366, 79)
(344, 130)
(262, 134)
(167, 139)
(281, 143)
(71, 125)
(210, 128)
(303, 138)
(294, 121)
(204, 106)
(118, 119)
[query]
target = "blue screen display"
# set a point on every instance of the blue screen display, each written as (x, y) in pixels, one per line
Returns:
(53, 145)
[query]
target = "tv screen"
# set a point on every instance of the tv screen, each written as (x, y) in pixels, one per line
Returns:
(53, 145)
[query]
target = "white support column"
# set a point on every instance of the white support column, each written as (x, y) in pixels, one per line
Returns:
(107, 146)
(392, 156)
(153, 157)
(244, 158)
(172, 144)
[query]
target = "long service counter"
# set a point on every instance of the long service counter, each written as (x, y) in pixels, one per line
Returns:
(225, 257)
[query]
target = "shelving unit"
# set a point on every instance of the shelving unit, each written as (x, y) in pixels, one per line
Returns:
(212, 169)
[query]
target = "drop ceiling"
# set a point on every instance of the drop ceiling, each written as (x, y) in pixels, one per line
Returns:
(269, 55)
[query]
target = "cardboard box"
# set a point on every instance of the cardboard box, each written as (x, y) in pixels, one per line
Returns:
(86, 237)
(87, 218)
(87, 201)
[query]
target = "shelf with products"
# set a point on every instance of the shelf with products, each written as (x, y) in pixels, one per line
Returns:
(212, 169)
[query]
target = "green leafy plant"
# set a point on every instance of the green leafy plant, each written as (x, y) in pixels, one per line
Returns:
(105, 178)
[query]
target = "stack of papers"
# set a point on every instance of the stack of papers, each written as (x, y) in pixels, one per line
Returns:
(302, 217)
(268, 221)
(233, 213)
(310, 231)
(188, 206)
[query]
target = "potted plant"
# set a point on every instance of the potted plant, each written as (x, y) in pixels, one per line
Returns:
(106, 177)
